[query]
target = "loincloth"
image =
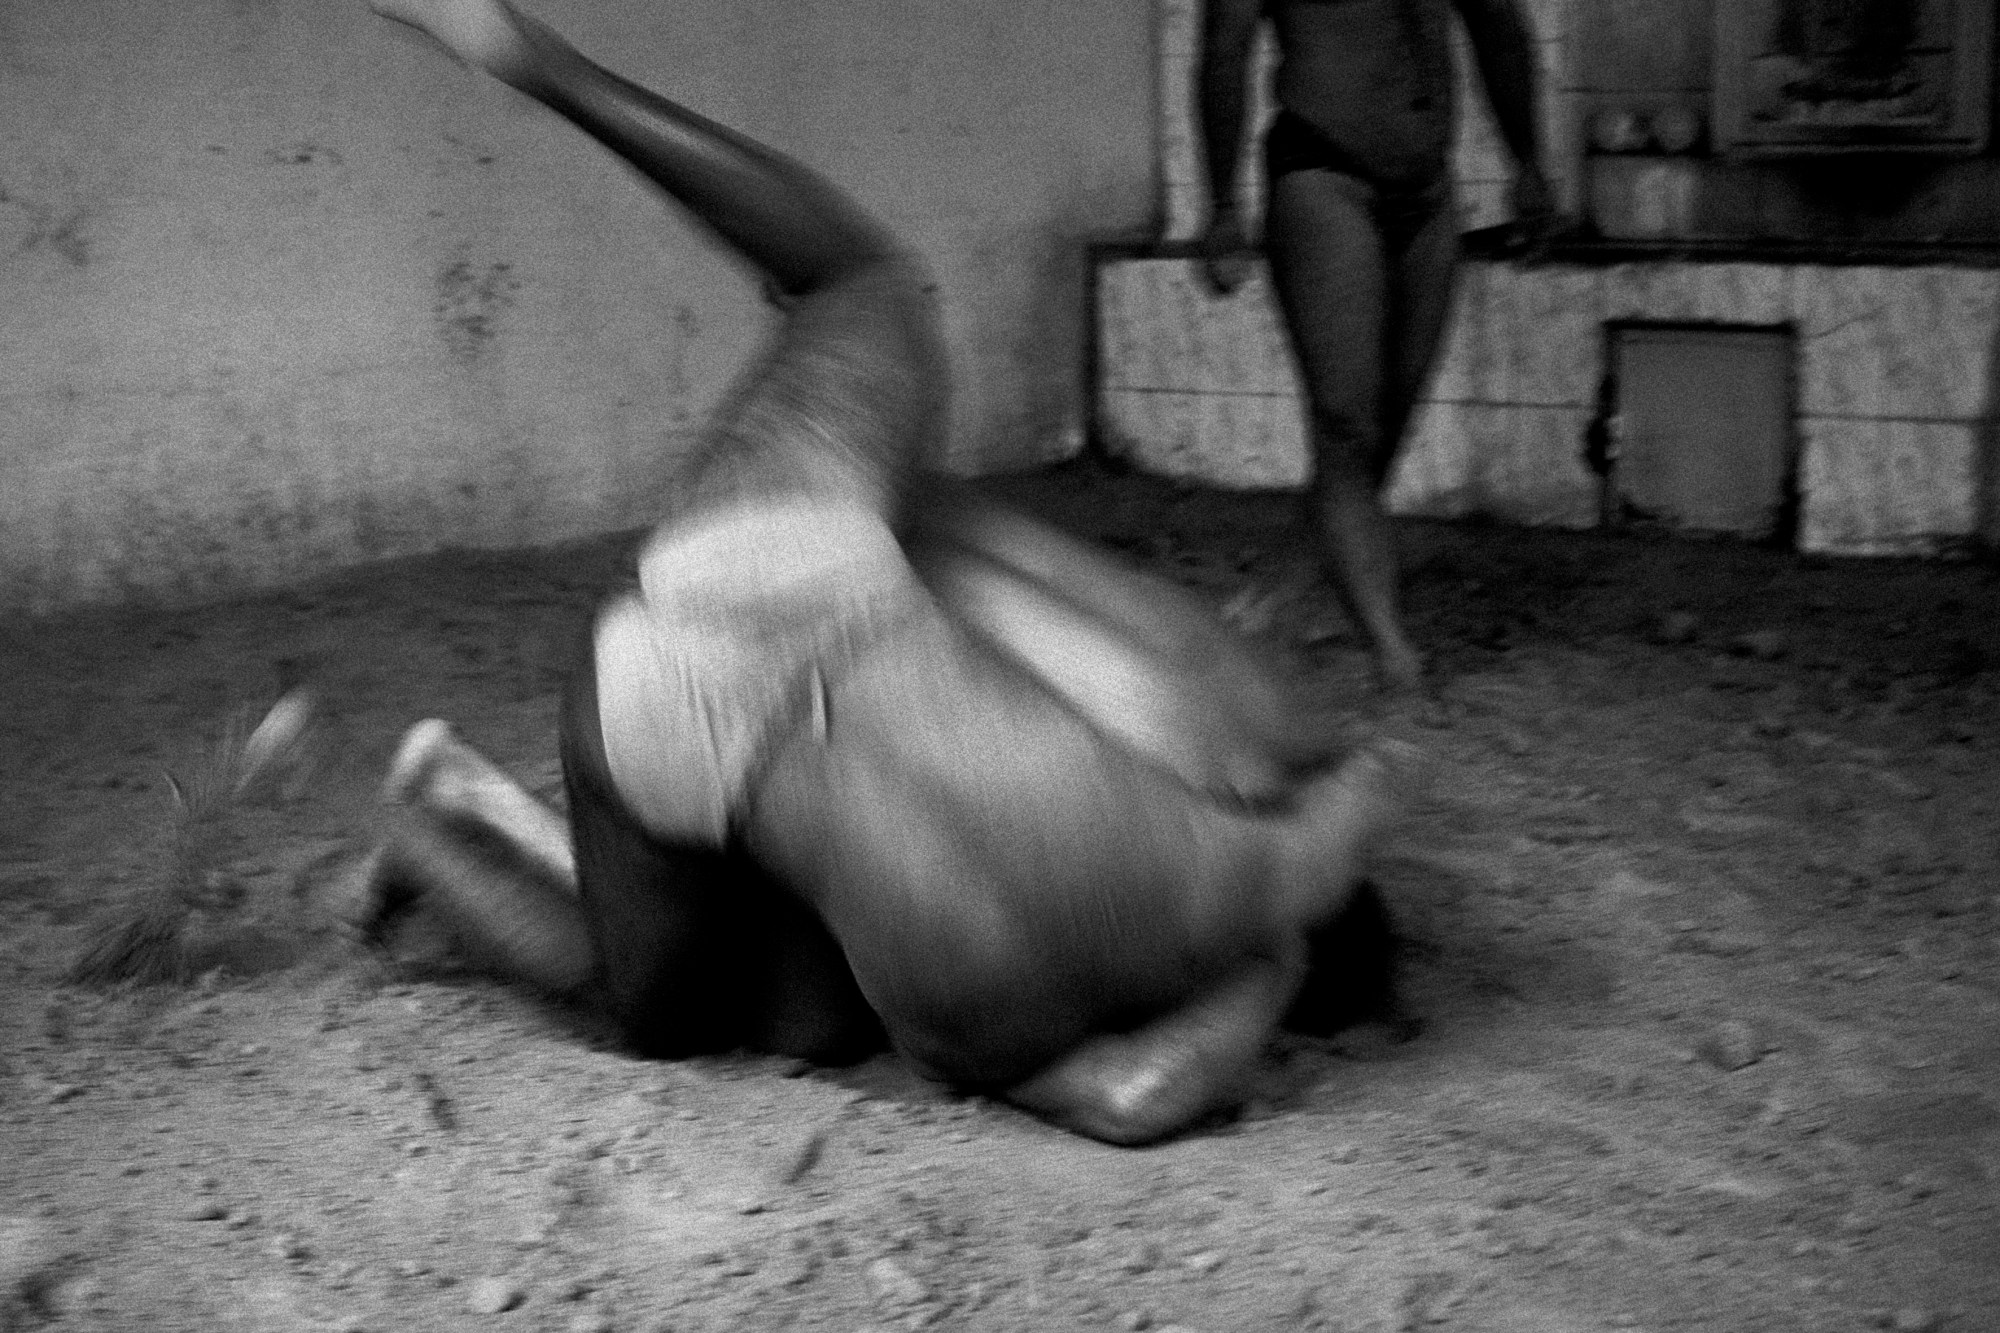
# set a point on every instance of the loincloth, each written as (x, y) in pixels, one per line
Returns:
(742, 620)
(1401, 207)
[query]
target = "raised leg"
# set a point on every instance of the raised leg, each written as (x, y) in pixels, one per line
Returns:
(854, 389)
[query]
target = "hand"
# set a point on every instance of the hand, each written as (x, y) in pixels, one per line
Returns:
(1536, 223)
(1531, 195)
(1227, 256)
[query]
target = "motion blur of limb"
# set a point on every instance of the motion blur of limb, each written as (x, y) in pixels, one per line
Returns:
(858, 758)
(1362, 238)
(498, 868)
(1144, 659)
(493, 864)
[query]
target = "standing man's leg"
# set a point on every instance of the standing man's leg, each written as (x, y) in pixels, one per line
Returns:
(1423, 263)
(1334, 284)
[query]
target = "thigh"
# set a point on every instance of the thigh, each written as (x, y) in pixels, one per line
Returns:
(1328, 270)
(845, 403)
(697, 948)
(668, 952)
(1421, 275)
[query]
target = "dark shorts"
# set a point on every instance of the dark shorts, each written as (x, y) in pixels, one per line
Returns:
(1402, 208)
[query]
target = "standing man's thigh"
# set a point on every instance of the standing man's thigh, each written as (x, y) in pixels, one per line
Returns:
(1327, 266)
(1421, 271)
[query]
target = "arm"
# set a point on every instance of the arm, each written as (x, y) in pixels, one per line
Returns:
(1501, 45)
(1222, 93)
(1137, 1087)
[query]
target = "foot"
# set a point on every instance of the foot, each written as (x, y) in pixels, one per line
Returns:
(436, 772)
(422, 771)
(486, 34)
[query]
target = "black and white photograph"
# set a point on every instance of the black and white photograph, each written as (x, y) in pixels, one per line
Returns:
(1368, 636)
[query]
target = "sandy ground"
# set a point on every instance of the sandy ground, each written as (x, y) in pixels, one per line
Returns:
(1701, 928)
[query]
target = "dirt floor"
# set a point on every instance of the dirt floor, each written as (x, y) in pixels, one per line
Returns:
(1702, 924)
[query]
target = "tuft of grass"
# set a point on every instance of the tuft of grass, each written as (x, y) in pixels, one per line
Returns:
(148, 943)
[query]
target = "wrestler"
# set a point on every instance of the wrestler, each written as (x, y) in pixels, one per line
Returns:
(1362, 237)
(860, 759)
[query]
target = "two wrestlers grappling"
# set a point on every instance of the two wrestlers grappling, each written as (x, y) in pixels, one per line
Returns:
(862, 759)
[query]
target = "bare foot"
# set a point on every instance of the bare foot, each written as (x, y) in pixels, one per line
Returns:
(486, 34)
(437, 772)
(416, 773)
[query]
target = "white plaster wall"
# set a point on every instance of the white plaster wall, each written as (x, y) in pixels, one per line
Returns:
(282, 289)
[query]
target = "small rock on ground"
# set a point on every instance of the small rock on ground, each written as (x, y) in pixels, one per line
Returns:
(1766, 645)
(494, 1295)
(895, 1284)
(1732, 1045)
(1675, 627)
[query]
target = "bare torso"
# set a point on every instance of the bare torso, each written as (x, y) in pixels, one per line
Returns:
(1373, 76)
(1002, 881)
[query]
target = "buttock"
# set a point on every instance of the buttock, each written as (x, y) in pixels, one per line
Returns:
(743, 621)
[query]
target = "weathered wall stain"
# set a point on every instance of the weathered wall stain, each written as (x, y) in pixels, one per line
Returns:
(56, 228)
(470, 299)
(302, 153)
(261, 262)
(478, 154)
